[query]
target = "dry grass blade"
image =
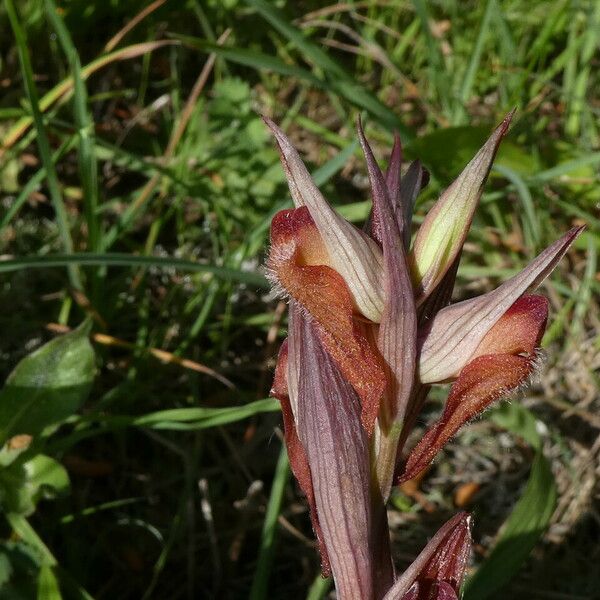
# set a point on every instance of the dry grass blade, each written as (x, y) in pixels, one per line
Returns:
(162, 355)
(116, 39)
(146, 191)
(63, 90)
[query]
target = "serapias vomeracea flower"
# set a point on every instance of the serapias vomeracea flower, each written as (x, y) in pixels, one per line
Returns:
(369, 333)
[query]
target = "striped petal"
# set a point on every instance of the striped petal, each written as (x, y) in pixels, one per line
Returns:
(296, 454)
(454, 334)
(336, 445)
(353, 254)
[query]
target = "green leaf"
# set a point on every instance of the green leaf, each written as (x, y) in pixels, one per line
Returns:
(48, 585)
(48, 385)
(446, 151)
(519, 534)
(19, 566)
(22, 486)
(519, 420)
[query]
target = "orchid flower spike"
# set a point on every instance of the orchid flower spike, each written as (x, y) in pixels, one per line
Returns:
(369, 332)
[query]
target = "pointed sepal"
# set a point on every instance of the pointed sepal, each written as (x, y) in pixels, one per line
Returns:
(336, 445)
(444, 230)
(398, 328)
(353, 254)
(450, 340)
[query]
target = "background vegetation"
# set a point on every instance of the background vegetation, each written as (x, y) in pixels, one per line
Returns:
(137, 185)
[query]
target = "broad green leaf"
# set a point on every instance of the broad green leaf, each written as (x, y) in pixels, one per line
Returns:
(19, 565)
(48, 585)
(48, 385)
(447, 151)
(519, 534)
(23, 485)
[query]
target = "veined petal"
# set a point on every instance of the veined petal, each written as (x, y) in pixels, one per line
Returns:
(296, 454)
(443, 232)
(403, 192)
(295, 248)
(438, 590)
(414, 180)
(481, 382)
(454, 334)
(392, 183)
(398, 328)
(353, 254)
(440, 567)
(336, 446)
(393, 173)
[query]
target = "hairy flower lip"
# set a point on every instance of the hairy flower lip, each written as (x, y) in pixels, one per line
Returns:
(353, 254)
(502, 363)
(484, 380)
(297, 263)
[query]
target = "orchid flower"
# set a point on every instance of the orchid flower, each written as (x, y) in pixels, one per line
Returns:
(369, 333)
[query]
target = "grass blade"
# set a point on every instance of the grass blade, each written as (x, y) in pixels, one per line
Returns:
(88, 168)
(338, 78)
(560, 171)
(260, 584)
(469, 79)
(129, 260)
(202, 418)
(43, 143)
(531, 220)
(64, 89)
(435, 57)
(319, 588)
(252, 58)
(48, 585)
